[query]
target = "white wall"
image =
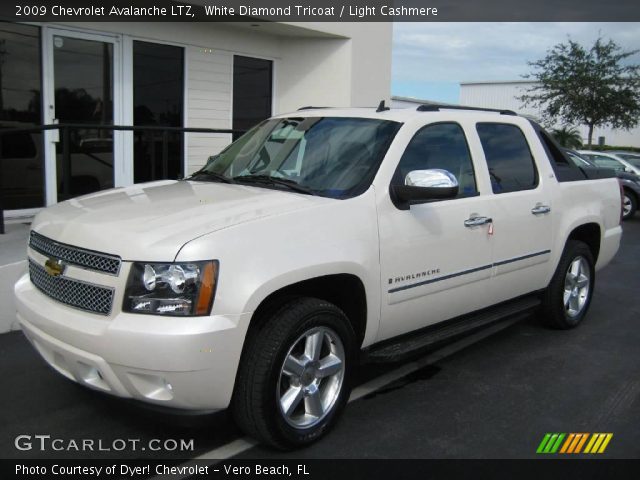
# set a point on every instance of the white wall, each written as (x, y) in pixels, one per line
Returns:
(504, 95)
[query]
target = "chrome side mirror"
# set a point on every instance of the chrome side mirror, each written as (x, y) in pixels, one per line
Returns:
(434, 178)
(422, 186)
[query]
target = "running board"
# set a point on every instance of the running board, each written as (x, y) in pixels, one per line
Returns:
(400, 348)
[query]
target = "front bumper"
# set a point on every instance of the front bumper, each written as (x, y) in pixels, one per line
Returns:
(181, 362)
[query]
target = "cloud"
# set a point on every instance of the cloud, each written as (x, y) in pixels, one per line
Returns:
(458, 52)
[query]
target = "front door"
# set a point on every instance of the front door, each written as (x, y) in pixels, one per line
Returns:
(83, 96)
(435, 257)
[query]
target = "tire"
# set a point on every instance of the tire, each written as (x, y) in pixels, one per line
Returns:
(265, 386)
(629, 205)
(566, 300)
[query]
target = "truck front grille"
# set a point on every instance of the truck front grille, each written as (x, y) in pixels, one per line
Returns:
(100, 262)
(75, 293)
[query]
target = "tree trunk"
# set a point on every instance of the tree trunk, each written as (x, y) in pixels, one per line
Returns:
(590, 135)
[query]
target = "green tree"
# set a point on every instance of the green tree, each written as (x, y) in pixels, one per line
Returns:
(568, 137)
(591, 86)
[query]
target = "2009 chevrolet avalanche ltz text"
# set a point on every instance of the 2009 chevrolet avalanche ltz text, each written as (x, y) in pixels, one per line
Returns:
(316, 240)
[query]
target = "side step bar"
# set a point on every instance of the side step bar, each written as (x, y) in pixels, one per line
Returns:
(405, 346)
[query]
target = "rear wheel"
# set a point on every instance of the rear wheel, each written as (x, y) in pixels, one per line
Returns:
(567, 298)
(295, 372)
(629, 205)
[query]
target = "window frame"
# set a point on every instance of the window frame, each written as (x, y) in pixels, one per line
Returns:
(533, 159)
(471, 157)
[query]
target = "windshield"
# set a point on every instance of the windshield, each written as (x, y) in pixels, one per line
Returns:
(329, 156)
(578, 160)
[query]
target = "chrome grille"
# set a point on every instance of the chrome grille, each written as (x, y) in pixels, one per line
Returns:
(75, 293)
(101, 262)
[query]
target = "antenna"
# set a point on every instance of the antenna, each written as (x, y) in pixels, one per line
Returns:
(381, 107)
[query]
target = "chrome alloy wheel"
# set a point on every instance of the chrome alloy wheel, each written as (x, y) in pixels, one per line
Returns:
(626, 206)
(311, 377)
(577, 286)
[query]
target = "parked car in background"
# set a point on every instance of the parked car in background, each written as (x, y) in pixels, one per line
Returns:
(630, 182)
(612, 160)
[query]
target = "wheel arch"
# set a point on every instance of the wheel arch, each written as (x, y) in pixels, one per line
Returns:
(590, 234)
(344, 290)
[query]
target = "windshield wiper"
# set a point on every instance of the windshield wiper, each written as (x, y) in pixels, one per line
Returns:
(211, 176)
(269, 180)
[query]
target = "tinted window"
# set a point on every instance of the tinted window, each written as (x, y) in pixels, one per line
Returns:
(158, 99)
(21, 160)
(442, 146)
(252, 87)
(508, 157)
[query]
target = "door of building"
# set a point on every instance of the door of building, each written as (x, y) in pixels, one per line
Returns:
(82, 92)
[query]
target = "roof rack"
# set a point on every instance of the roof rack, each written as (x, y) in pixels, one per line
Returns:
(310, 108)
(435, 107)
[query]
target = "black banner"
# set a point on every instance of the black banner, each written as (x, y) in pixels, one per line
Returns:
(302, 469)
(321, 10)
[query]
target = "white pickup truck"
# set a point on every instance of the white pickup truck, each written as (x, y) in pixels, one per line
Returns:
(318, 239)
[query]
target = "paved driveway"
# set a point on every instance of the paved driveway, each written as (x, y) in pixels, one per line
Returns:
(493, 399)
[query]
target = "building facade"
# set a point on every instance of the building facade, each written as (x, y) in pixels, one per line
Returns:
(504, 95)
(150, 80)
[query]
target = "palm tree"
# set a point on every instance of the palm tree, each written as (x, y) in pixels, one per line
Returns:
(568, 137)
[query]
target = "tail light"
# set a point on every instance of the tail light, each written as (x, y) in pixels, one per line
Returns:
(621, 200)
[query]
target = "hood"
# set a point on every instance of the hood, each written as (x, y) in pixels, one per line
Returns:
(153, 221)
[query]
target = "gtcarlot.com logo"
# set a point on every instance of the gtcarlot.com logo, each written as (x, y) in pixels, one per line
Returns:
(574, 443)
(49, 443)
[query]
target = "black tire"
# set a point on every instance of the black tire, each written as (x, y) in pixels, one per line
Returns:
(554, 313)
(633, 204)
(255, 404)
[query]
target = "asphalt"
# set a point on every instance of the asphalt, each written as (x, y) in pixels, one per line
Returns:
(494, 399)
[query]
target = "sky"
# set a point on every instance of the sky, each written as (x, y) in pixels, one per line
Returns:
(430, 59)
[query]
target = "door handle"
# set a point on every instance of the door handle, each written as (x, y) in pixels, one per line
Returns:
(477, 221)
(540, 209)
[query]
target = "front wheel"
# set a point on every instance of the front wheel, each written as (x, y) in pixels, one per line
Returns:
(294, 376)
(567, 298)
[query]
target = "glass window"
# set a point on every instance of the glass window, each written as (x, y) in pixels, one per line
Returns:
(605, 162)
(252, 88)
(632, 159)
(509, 159)
(442, 146)
(330, 156)
(22, 158)
(83, 79)
(158, 99)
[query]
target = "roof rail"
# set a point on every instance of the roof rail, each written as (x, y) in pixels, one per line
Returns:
(435, 107)
(309, 107)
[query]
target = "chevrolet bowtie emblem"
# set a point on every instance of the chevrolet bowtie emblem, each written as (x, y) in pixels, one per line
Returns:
(54, 267)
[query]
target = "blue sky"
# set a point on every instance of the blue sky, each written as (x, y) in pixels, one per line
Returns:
(430, 59)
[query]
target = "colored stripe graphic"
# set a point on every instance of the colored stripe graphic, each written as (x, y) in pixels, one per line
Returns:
(550, 443)
(598, 443)
(574, 443)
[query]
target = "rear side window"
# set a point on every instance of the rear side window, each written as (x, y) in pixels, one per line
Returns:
(443, 146)
(509, 159)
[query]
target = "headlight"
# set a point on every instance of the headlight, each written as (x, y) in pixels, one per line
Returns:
(178, 289)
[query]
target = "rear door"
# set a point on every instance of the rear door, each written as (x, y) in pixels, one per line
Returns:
(521, 183)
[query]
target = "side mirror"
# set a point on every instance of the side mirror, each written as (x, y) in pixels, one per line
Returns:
(422, 186)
